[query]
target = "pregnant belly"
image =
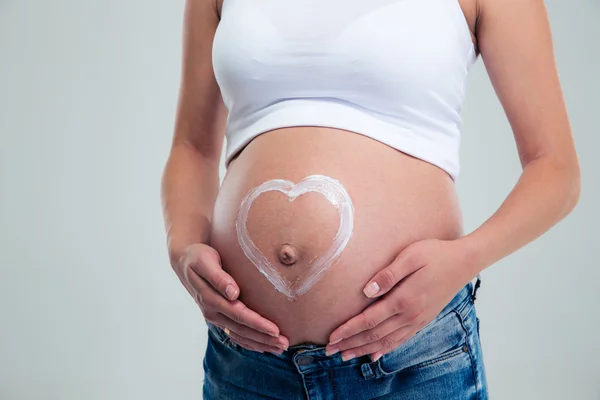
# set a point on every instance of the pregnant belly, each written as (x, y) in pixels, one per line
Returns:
(397, 199)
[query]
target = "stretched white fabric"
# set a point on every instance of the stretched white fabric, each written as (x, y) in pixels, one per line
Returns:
(392, 70)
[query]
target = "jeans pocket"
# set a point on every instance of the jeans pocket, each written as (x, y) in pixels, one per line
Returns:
(441, 340)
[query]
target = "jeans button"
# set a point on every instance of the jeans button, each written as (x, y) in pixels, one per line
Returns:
(305, 360)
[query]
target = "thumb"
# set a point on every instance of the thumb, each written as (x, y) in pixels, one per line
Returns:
(206, 263)
(402, 266)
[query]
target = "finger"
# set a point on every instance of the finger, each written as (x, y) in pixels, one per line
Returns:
(234, 310)
(385, 344)
(241, 314)
(405, 264)
(249, 333)
(207, 264)
(369, 336)
(252, 345)
(375, 314)
(242, 342)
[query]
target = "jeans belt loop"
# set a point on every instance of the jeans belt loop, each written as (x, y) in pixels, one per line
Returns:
(366, 370)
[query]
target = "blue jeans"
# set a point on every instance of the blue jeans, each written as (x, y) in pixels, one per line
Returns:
(442, 361)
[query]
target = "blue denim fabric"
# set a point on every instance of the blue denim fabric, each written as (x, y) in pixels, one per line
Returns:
(442, 361)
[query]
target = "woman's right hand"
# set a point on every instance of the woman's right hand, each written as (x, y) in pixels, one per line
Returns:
(215, 291)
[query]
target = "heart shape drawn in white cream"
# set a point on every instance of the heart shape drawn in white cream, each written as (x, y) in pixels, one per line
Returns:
(336, 194)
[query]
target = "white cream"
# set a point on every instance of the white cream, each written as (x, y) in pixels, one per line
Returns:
(336, 194)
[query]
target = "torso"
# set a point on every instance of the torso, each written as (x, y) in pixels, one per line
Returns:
(398, 199)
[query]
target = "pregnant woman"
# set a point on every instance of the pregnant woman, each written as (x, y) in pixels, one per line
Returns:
(331, 262)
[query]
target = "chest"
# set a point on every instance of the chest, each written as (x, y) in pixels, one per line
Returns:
(379, 53)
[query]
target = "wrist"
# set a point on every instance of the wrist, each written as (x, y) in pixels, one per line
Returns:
(473, 255)
(179, 240)
(177, 249)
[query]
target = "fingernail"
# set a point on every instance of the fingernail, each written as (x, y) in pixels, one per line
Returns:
(348, 356)
(371, 289)
(335, 341)
(376, 357)
(230, 291)
(273, 333)
(277, 352)
(331, 350)
(281, 346)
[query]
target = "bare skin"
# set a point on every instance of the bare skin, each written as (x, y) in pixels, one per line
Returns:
(515, 41)
(398, 199)
(513, 38)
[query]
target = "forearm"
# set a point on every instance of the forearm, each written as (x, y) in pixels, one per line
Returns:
(545, 193)
(189, 188)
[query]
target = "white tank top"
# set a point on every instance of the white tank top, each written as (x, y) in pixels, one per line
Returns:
(392, 70)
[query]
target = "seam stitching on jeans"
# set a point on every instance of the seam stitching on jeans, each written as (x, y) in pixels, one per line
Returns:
(444, 357)
(475, 380)
(460, 309)
(303, 381)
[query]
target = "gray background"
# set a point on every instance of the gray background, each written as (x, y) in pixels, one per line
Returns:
(89, 306)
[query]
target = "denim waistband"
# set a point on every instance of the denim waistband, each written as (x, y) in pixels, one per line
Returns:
(316, 352)
(456, 301)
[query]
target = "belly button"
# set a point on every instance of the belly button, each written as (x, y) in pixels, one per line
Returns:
(288, 254)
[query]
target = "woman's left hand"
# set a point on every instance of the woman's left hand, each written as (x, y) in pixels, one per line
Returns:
(417, 285)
